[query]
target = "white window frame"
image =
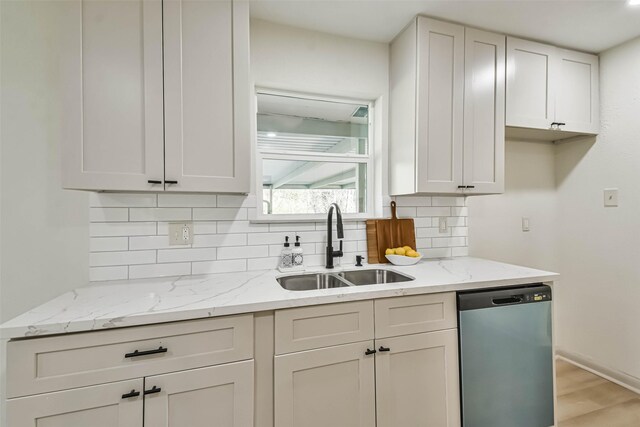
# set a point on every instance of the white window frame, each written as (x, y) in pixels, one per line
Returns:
(367, 159)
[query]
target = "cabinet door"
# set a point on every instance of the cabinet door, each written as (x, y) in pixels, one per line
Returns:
(219, 395)
(113, 80)
(206, 66)
(531, 84)
(484, 112)
(417, 380)
(331, 386)
(439, 106)
(577, 101)
(97, 406)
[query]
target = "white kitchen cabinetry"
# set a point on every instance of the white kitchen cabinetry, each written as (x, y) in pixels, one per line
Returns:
(417, 380)
(186, 373)
(553, 89)
(133, 58)
(407, 376)
(333, 386)
(206, 99)
(220, 395)
(446, 110)
(98, 406)
(484, 99)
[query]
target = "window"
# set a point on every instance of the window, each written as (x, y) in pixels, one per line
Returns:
(312, 152)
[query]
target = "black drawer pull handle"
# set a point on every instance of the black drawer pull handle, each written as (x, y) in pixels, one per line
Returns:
(153, 390)
(383, 349)
(133, 393)
(170, 182)
(154, 181)
(461, 186)
(369, 352)
(146, 353)
(470, 186)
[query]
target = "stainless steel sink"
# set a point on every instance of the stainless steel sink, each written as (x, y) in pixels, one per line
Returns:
(373, 277)
(307, 282)
(311, 281)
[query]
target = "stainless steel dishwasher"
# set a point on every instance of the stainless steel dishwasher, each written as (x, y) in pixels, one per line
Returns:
(506, 360)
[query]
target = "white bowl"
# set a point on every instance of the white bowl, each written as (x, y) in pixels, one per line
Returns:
(403, 260)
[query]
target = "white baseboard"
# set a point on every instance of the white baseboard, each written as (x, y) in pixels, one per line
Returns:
(622, 379)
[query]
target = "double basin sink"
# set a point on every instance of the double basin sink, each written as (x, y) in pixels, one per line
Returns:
(342, 279)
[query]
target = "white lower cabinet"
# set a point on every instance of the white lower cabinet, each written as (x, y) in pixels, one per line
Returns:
(217, 395)
(331, 386)
(417, 380)
(104, 405)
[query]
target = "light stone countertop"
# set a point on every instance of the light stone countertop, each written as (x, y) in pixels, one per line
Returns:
(147, 301)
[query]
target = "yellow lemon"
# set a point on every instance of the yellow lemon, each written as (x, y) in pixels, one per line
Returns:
(411, 253)
(389, 251)
(400, 251)
(407, 248)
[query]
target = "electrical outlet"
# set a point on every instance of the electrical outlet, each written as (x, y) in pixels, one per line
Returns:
(611, 197)
(180, 233)
(526, 226)
(442, 223)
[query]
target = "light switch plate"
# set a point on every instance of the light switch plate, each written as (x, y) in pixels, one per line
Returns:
(442, 224)
(611, 197)
(526, 226)
(180, 233)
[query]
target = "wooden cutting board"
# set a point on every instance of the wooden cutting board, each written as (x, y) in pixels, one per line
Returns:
(388, 233)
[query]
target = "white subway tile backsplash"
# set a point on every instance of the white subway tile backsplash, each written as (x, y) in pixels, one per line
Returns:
(225, 266)
(97, 274)
(122, 200)
(129, 234)
(160, 214)
(186, 254)
(102, 259)
(108, 229)
(109, 214)
(187, 200)
(227, 214)
(105, 244)
(239, 252)
(159, 270)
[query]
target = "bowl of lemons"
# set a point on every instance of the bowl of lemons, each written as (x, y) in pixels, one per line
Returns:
(404, 255)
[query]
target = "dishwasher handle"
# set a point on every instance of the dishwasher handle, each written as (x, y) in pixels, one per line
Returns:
(513, 299)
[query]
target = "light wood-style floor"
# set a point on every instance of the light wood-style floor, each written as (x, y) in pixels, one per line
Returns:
(587, 400)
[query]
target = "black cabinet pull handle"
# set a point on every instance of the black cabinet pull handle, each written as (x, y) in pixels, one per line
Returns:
(369, 352)
(470, 186)
(132, 393)
(383, 349)
(461, 186)
(170, 182)
(153, 390)
(146, 353)
(154, 181)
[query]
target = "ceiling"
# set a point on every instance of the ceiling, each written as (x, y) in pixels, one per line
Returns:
(591, 26)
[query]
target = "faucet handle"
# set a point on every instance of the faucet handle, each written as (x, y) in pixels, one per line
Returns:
(340, 250)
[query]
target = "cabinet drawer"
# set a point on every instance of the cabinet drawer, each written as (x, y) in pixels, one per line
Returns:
(42, 365)
(307, 328)
(415, 314)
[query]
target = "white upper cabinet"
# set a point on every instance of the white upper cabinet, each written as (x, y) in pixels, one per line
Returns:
(427, 97)
(206, 101)
(484, 112)
(577, 97)
(158, 96)
(113, 80)
(551, 89)
(531, 84)
(447, 92)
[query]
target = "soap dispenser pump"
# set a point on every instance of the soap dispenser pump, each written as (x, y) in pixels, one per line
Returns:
(286, 258)
(298, 256)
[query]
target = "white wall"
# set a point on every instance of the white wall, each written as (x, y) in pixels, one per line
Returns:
(495, 222)
(599, 252)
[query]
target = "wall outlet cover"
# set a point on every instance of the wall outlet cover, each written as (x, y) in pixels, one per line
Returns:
(611, 197)
(442, 224)
(180, 233)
